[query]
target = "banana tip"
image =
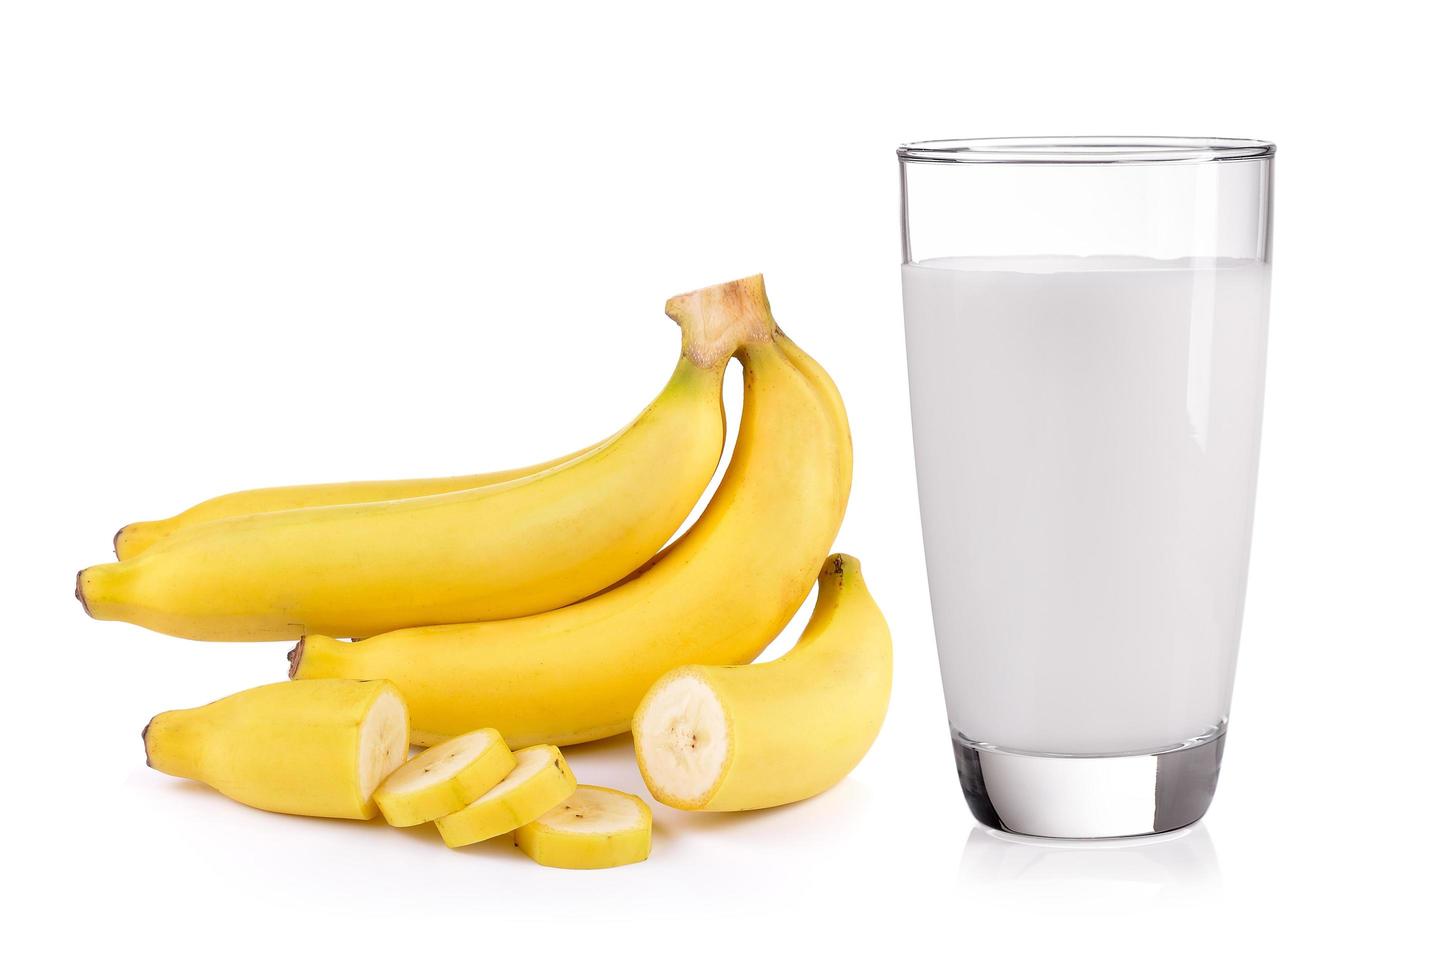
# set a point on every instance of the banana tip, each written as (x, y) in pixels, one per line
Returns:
(145, 737)
(295, 656)
(80, 592)
(115, 541)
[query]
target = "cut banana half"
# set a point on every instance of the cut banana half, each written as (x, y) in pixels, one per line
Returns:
(761, 735)
(539, 781)
(314, 749)
(445, 778)
(594, 828)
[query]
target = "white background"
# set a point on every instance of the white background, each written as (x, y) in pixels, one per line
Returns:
(245, 244)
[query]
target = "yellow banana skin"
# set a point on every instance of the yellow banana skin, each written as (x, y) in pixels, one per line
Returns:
(134, 539)
(795, 726)
(718, 595)
(317, 749)
(495, 552)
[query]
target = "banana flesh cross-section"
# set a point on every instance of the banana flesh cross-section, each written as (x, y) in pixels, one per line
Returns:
(539, 781)
(761, 735)
(444, 778)
(594, 828)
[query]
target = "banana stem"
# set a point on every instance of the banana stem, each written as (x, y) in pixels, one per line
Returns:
(718, 320)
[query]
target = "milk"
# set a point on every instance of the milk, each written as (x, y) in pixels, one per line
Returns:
(1086, 432)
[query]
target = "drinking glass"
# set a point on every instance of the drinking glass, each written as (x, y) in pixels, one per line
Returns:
(1086, 322)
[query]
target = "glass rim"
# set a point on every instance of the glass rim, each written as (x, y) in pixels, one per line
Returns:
(1086, 150)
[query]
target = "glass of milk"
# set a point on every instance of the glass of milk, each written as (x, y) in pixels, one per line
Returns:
(1087, 327)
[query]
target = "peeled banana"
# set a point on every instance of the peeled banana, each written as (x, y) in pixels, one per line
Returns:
(716, 596)
(495, 552)
(316, 749)
(742, 738)
(444, 778)
(539, 781)
(594, 828)
(134, 539)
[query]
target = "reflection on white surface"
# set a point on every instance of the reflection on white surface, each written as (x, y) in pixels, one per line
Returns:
(1174, 868)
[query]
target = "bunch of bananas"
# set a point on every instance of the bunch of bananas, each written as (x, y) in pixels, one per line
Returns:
(532, 603)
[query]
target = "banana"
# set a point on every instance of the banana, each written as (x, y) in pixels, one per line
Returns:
(743, 738)
(316, 749)
(495, 552)
(444, 778)
(594, 828)
(718, 595)
(540, 781)
(134, 539)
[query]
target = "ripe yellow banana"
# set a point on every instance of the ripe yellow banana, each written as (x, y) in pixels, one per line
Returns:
(134, 539)
(718, 595)
(594, 828)
(761, 735)
(495, 552)
(317, 749)
(539, 781)
(444, 778)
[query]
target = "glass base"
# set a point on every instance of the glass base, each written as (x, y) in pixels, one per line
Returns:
(1090, 796)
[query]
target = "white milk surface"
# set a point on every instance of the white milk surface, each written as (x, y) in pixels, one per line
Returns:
(1087, 436)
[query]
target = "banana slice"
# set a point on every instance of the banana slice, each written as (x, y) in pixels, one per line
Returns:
(539, 781)
(594, 828)
(444, 778)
